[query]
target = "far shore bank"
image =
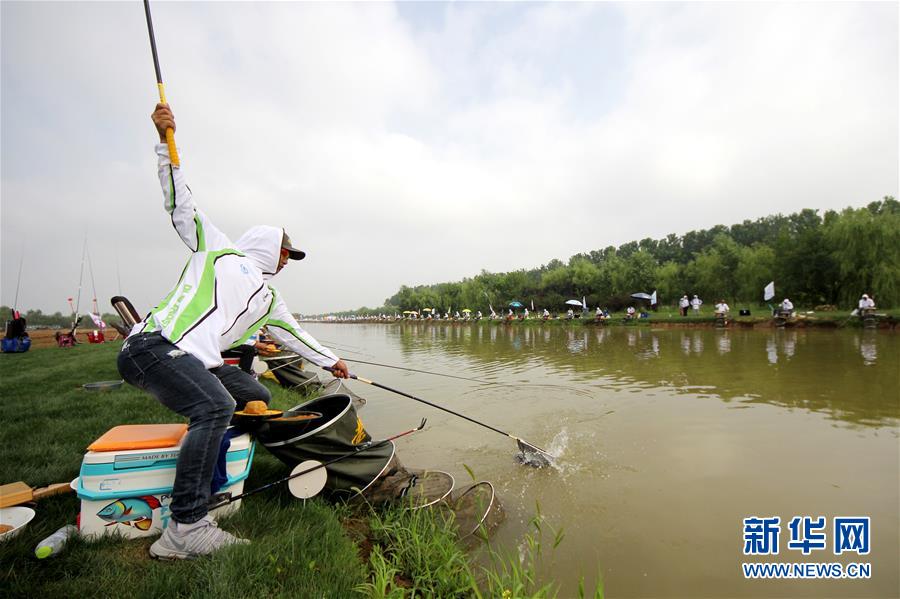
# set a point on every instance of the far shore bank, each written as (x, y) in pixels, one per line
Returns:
(823, 320)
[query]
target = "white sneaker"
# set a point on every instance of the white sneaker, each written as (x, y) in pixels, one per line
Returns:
(187, 541)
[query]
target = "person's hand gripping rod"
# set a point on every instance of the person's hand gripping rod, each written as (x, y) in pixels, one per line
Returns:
(170, 131)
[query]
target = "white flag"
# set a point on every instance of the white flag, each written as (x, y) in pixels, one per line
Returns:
(653, 298)
(584, 303)
(769, 291)
(98, 322)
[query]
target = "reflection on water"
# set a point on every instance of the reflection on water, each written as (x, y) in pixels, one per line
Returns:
(789, 343)
(868, 349)
(815, 370)
(667, 438)
(771, 351)
(723, 342)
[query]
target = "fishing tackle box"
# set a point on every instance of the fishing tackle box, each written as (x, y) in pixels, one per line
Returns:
(127, 476)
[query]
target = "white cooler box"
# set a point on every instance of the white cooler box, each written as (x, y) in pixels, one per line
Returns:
(128, 491)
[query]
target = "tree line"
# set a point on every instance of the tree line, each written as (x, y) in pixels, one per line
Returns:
(814, 259)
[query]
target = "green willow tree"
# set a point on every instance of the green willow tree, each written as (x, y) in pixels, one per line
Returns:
(813, 259)
(865, 245)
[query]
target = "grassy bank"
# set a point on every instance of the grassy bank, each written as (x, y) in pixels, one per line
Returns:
(48, 420)
(311, 549)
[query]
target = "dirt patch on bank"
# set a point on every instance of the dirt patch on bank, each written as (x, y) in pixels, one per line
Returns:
(47, 337)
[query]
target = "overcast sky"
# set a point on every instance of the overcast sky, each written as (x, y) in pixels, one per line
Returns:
(423, 142)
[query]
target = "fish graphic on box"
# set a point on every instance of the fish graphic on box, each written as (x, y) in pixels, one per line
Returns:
(132, 511)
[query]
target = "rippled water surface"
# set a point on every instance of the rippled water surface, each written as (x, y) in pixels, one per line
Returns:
(668, 439)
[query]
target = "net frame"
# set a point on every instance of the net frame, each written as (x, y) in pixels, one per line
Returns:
(492, 513)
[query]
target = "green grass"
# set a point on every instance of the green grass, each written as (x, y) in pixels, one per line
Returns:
(298, 549)
(414, 553)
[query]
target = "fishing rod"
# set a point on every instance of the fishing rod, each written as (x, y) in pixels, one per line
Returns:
(170, 133)
(319, 465)
(534, 455)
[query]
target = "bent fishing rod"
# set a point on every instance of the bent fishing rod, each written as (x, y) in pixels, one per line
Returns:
(293, 475)
(529, 449)
(170, 133)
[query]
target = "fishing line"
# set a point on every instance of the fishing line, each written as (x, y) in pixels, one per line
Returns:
(95, 307)
(346, 349)
(335, 345)
(452, 376)
(80, 278)
(19, 278)
(462, 378)
(118, 274)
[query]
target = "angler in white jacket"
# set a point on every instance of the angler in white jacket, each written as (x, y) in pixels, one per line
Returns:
(222, 298)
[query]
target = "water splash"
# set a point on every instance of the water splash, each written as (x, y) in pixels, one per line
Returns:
(559, 443)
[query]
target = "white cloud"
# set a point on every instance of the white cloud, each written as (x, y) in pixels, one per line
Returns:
(399, 150)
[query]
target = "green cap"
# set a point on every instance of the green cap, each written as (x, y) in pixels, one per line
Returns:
(43, 551)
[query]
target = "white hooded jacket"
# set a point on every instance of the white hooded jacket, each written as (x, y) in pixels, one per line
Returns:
(223, 296)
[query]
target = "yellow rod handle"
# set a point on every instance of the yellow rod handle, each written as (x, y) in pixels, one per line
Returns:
(173, 153)
(170, 133)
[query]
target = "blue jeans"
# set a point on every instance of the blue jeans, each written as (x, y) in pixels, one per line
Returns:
(207, 398)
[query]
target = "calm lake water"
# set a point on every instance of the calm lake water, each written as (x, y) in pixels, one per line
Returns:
(668, 440)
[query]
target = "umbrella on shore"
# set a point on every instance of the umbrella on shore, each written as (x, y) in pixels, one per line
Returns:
(574, 303)
(643, 296)
(466, 310)
(516, 304)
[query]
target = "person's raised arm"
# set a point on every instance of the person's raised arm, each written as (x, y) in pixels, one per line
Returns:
(284, 327)
(193, 226)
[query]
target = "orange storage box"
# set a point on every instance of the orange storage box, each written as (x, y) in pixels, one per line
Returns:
(139, 436)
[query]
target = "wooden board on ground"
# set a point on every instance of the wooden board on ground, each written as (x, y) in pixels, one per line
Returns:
(18, 492)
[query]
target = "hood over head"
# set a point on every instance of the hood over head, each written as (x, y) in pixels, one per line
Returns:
(262, 244)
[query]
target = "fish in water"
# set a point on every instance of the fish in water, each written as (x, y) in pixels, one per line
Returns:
(133, 511)
(531, 457)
